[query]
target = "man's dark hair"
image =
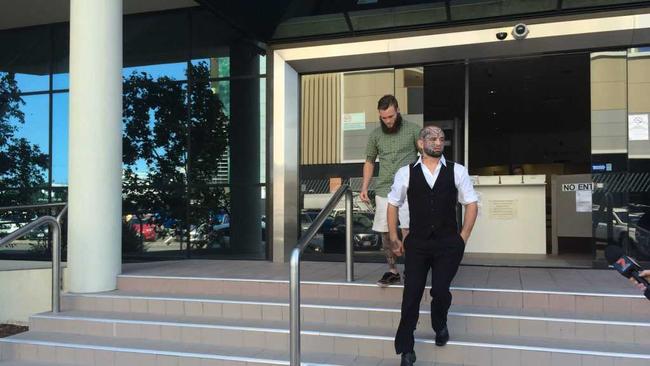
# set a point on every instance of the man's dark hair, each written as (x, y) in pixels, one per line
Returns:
(386, 101)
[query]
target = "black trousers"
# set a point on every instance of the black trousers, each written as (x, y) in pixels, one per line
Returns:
(442, 256)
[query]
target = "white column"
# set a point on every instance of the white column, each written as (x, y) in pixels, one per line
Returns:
(95, 145)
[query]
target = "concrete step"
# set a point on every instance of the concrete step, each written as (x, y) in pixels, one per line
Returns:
(274, 333)
(480, 320)
(30, 363)
(470, 350)
(572, 302)
(60, 348)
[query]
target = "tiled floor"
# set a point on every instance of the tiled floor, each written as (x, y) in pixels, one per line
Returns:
(538, 279)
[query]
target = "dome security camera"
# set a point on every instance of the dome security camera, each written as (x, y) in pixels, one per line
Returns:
(502, 35)
(520, 31)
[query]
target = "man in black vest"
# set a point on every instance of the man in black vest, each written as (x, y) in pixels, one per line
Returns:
(433, 186)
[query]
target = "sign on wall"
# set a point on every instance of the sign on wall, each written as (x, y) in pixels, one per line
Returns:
(354, 121)
(573, 187)
(638, 127)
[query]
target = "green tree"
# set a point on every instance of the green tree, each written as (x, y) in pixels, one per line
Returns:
(22, 165)
(157, 128)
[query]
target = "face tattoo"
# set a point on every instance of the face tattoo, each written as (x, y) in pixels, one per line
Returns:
(433, 139)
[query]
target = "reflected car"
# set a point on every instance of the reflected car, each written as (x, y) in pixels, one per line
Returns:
(630, 231)
(307, 218)
(215, 236)
(144, 228)
(363, 237)
(641, 234)
(619, 227)
(7, 228)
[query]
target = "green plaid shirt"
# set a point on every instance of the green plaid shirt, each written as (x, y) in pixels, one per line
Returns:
(394, 151)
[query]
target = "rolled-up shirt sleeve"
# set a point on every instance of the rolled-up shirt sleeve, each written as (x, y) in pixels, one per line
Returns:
(466, 192)
(397, 194)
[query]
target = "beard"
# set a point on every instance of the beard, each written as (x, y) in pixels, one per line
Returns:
(396, 125)
(431, 152)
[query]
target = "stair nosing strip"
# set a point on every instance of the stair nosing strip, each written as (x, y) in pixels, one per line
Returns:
(188, 299)
(457, 288)
(276, 330)
(379, 309)
(276, 362)
(156, 352)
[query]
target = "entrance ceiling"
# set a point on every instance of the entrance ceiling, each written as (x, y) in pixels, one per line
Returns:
(25, 13)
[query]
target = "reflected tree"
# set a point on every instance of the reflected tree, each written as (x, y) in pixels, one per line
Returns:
(170, 129)
(22, 165)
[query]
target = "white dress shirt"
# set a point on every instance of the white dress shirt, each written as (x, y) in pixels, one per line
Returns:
(466, 193)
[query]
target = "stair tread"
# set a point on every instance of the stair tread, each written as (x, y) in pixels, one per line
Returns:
(191, 350)
(586, 281)
(424, 334)
(391, 306)
(32, 363)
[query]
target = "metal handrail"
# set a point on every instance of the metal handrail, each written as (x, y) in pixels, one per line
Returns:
(55, 225)
(28, 207)
(294, 281)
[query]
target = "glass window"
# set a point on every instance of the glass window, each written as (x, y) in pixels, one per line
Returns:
(24, 149)
(61, 81)
(219, 67)
(32, 82)
(399, 16)
(263, 130)
(570, 4)
(311, 25)
(28, 57)
(263, 65)
(222, 90)
(35, 128)
(210, 39)
(157, 43)
(472, 9)
(60, 120)
(208, 131)
(635, 241)
(174, 71)
(361, 91)
(61, 56)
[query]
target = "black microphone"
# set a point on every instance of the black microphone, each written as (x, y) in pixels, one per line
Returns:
(626, 266)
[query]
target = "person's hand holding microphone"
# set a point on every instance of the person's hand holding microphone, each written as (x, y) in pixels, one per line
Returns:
(645, 274)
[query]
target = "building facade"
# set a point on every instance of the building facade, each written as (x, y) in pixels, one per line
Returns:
(156, 123)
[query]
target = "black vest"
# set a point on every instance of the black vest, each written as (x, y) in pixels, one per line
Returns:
(432, 212)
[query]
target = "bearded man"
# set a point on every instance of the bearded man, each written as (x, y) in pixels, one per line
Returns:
(395, 144)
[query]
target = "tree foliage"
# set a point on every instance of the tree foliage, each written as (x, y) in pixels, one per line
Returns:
(22, 164)
(170, 129)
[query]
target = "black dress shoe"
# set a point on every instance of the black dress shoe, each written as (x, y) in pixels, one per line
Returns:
(442, 336)
(408, 359)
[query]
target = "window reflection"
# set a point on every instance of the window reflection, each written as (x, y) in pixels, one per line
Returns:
(471, 9)
(174, 70)
(569, 4)
(28, 57)
(60, 139)
(23, 145)
(176, 153)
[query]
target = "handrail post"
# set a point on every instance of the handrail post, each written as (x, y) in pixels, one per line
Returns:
(56, 266)
(349, 250)
(294, 310)
(294, 277)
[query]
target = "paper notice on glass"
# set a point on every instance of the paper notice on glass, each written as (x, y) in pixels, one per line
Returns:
(354, 121)
(638, 127)
(502, 209)
(583, 201)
